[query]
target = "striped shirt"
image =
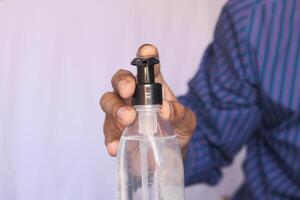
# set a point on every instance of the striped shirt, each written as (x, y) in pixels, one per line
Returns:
(247, 92)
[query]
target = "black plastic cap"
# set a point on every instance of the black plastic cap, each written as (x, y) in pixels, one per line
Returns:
(147, 92)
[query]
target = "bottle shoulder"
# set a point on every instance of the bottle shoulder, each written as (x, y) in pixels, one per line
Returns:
(155, 127)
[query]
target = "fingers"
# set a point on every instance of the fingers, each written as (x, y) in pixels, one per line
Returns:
(115, 108)
(123, 82)
(183, 119)
(118, 115)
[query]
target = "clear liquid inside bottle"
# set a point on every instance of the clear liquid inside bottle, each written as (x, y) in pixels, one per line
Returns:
(149, 160)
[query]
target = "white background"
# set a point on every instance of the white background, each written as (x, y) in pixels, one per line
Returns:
(56, 59)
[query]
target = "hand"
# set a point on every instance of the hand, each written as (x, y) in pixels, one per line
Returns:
(119, 113)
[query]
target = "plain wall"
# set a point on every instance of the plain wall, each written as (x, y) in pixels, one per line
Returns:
(56, 59)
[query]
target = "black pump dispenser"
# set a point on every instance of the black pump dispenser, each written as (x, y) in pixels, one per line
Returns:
(147, 92)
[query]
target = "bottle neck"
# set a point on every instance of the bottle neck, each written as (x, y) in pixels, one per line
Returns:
(147, 119)
(150, 109)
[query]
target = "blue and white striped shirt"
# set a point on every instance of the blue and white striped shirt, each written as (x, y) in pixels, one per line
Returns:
(247, 92)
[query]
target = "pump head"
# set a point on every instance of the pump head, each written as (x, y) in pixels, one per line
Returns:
(147, 92)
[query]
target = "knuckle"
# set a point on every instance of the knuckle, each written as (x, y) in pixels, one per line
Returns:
(115, 107)
(180, 111)
(105, 98)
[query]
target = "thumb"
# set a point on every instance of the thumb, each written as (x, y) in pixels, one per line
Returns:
(147, 51)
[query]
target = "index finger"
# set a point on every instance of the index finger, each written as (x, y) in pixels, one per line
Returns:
(123, 82)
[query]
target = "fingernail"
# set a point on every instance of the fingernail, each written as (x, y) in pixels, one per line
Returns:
(121, 113)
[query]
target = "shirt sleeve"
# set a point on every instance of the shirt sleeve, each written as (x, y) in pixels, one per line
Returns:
(223, 96)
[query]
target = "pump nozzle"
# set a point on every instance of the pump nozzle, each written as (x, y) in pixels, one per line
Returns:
(147, 92)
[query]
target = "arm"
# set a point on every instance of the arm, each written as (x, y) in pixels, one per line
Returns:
(224, 98)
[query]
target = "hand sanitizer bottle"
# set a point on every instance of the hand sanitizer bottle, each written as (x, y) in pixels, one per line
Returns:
(149, 160)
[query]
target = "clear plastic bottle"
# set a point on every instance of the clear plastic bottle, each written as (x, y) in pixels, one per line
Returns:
(149, 160)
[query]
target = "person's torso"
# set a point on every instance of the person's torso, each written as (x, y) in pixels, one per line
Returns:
(273, 154)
